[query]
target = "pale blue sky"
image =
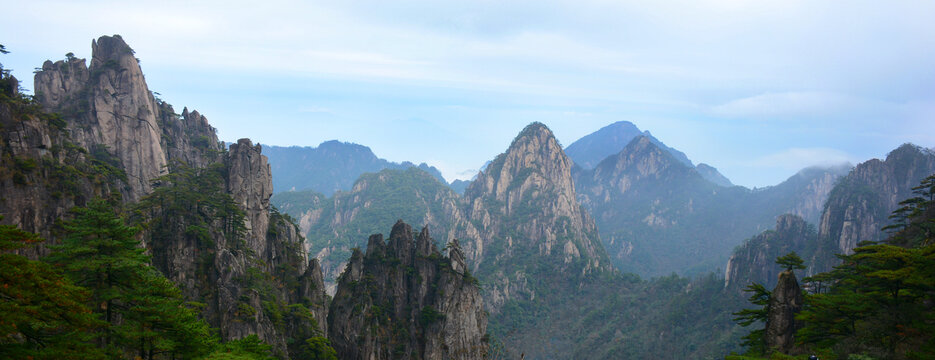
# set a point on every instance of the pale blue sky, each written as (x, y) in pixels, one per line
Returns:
(758, 89)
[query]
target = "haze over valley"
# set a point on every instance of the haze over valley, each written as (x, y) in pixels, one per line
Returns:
(463, 180)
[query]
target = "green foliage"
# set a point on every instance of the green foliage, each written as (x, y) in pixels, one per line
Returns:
(194, 197)
(143, 312)
(879, 299)
(754, 341)
(791, 261)
(248, 348)
(429, 316)
(389, 195)
(317, 348)
(43, 315)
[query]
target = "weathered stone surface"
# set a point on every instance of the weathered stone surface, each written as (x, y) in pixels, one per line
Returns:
(781, 325)
(113, 109)
(525, 204)
(108, 109)
(403, 300)
(35, 186)
(862, 202)
(755, 260)
(251, 185)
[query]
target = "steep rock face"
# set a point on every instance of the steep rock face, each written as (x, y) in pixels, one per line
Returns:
(755, 260)
(212, 232)
(188, 137)
(251, 185)
(786, 301)
(657, 215)
(529, 221)
(860, 205)
(403, 300)
(42, 174)
(108, 105)
(334, 226)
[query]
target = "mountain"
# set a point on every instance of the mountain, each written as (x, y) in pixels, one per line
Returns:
(334, 226)
(529, 223)
(330, 167)
(97, 131)
(403, 300)
(460, 185)
(860, 204)
(711, 174)
(657, 215)
(588, 151)
(755, 259)
(857, 208)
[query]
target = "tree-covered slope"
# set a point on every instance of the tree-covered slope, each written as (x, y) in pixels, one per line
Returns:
(334, 226)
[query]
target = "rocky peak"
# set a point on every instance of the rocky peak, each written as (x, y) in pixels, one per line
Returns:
(755, 259)
(641, 160)
(403, 300)
(790, 223)
(250, 183)
(525, 203)
(860, 204)
(61, 82)
(784, 304)
(108, 105)
(590, 150)
(711, 174)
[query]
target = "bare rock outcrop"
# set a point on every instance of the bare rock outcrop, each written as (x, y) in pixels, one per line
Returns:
(786, 301)
(860, 205)
(108, 105)
(755, 260)
(404, 300)
(529, 220)
(251, 185)
(258, 281)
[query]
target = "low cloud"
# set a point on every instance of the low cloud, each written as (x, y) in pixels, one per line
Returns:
(795, 159)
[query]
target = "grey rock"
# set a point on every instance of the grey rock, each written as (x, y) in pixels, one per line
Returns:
(785, 303)
(403, 300)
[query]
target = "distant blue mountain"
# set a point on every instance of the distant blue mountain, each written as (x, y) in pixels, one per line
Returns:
(588, 151)
(332, 166)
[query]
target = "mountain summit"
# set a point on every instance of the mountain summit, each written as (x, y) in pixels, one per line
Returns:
(588, 151)
(530, 223)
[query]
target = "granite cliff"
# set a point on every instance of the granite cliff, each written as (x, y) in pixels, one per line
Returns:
(208, 222)
(860, 204)
(403, 300)
(342, 222)
(755, 260)
(857, 208)
(529, 223)
(786, 301)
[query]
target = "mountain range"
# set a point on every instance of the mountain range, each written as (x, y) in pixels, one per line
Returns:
(582, 252)
(330, 167)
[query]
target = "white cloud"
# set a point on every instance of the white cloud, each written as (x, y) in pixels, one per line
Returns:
(794, 159)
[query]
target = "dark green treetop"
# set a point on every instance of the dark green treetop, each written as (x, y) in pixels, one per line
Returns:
(791, 261)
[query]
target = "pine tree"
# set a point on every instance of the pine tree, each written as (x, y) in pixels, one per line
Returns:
(879, 298)
(42, 314)
(143, 311)
(791, 261)
(755, 341)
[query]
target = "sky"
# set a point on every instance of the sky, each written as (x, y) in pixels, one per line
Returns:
(758, 89)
